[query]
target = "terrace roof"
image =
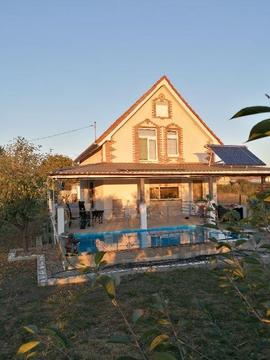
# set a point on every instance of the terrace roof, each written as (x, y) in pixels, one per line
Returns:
(149, 170)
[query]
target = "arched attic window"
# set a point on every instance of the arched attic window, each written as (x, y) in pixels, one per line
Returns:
(162, 107)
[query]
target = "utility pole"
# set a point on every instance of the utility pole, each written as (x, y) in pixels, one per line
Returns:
(95, 130)
(94, 125)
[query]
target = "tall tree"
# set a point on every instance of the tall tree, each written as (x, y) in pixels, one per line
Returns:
(22, 187)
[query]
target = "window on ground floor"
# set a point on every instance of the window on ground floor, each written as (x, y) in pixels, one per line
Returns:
(164, 192)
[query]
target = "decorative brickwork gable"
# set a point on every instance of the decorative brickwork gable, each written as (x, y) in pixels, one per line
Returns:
(162, 101)
(112, 149)
(148, 124)
(159, 112)
(180, 157)
(159, 144)
(163, 157)
(108, 151)
(162, 146)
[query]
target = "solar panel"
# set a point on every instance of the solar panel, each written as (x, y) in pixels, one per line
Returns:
(236, 155)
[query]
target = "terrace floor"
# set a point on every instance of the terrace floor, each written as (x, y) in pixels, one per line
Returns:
(134, 223)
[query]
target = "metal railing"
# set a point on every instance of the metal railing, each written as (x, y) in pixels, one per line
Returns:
(157, 214)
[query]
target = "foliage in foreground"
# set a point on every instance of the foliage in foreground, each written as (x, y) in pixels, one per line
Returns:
(152, 344)
(209, 317)
(155, 330)
(262, 128)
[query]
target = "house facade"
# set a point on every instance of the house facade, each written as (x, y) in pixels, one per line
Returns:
(157, 154)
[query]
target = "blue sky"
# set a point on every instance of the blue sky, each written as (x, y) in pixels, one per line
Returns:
(65, 64)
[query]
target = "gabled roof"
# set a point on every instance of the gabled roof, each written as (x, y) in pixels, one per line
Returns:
(86, 153)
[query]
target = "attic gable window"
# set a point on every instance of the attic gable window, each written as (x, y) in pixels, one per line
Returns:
(161, 107)
(162, 110)
(148, 144)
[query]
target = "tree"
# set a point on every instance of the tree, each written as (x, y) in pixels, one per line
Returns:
(22, 186)
(53, 162)
(49, 164)
(262, 128)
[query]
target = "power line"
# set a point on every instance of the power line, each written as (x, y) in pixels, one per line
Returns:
(62, 133)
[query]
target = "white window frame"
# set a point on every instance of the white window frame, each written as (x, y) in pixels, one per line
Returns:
(174, 137)
(149, 137)
(160, 108)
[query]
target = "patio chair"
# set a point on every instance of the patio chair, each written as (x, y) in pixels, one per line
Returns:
(221, 210)
(81, 206)
(84, 219)
(97, 216)
(69, 214)
(74, 209)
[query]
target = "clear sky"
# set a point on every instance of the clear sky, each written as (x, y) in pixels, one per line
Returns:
(67, 63)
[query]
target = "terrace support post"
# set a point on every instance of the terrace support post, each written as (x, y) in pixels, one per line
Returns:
(51, 202)
(262, 182)
(60, 220)
(142, 205)
(81, 190)
(190, 197)
(211, 187)
(78, 190)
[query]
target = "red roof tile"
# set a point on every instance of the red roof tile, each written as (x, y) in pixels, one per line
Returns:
(146, 169)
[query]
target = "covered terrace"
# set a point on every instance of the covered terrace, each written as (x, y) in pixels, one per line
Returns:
(131, 195)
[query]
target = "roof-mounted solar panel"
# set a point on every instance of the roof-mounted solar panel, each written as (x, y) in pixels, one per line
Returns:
(236, 155)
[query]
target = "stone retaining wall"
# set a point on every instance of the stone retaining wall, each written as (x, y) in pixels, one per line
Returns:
(152, 254)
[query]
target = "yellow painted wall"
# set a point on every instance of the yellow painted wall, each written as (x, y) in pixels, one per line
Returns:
(127, 191)
(119, 190)
(122, 145)
(95, 158)
(194, 138)
(99, 195)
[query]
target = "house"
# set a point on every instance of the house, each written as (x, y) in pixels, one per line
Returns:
(159, 153)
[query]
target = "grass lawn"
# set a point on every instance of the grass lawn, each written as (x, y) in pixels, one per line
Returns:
(211, 319)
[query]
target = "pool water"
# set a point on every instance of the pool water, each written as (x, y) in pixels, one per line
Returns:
(155, 237)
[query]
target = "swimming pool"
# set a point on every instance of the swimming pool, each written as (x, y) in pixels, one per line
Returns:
(129, 239)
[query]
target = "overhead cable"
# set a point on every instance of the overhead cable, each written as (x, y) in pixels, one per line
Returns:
(62, 133)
